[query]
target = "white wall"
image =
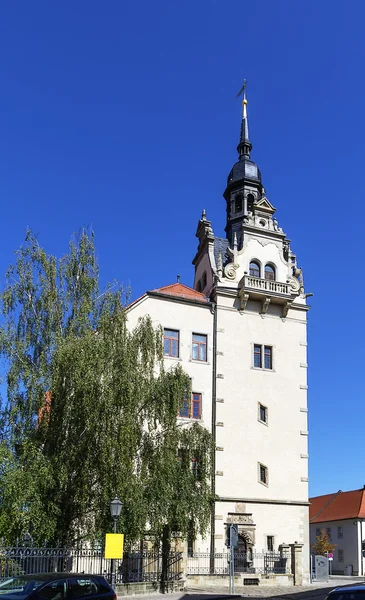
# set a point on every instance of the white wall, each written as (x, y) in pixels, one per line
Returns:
(349, 543)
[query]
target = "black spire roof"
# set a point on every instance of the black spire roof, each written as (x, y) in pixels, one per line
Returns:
(244, 168)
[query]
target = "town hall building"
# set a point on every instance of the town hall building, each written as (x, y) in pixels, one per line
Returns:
(240, 334)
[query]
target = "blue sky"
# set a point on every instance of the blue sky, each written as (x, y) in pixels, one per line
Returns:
(121, 116)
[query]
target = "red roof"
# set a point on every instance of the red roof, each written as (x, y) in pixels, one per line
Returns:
(338, 506)
(182, 291)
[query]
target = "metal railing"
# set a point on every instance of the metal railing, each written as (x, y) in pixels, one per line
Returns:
(134, 567)
(200, 563)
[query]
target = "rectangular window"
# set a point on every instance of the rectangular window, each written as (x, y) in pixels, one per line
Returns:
(263, 474)
(196, 408)
(262, 413)
(318, 532)
(340, 531)
(192, 410)
(195, 467)
(257, 356)
(171, 342)
(262, 357)
(199, 346)
(340, 555)
(270, 543)
(268, 357)
(328, 531)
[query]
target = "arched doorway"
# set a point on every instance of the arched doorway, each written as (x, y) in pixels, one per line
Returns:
(243, 553)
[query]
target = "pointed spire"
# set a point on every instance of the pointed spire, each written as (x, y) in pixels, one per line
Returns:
(244, 147)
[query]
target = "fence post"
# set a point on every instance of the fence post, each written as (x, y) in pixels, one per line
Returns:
(285, 554)
(297, 562)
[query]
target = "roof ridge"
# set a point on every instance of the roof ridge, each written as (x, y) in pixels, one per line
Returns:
(335, 495)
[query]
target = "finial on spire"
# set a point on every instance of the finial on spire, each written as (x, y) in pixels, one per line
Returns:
(178, 278)
(204, 215)
(244, 99)
(244, 147)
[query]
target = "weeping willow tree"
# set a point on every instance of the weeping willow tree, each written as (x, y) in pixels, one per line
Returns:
(91, 411)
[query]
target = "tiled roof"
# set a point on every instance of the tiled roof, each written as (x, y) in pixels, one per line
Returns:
(338, 506)
(220, 247)
(182, 291)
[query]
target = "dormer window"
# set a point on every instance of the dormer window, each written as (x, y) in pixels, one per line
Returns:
(270, 272)
(254, 269)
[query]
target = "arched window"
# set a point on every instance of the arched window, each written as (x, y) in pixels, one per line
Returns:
(238, 203)
(254, 269)
(250, 201)
(270, 272)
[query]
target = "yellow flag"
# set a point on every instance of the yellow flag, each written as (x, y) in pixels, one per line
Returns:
(114, 543)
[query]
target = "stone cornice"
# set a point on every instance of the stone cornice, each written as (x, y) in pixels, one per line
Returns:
(264, 501)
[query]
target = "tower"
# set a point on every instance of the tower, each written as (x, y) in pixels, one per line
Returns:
(259, 386)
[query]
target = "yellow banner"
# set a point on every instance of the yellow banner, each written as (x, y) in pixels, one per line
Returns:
(114, 544)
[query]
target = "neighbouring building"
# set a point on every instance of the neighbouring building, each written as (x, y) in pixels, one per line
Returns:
(241, 334)
(342, 516)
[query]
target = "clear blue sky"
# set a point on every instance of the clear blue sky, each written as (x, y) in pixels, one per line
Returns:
(120, 115)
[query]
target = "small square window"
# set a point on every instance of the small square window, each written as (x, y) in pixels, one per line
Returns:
(199, 347)
(340, 555)
(270, 543)
(171, 342)
(262, 413)
(340, 531)
(257, 356)
(263, 474)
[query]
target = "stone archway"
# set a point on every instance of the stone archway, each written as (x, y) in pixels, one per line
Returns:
(243, 552)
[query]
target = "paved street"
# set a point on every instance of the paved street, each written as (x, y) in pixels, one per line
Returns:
(317, 591)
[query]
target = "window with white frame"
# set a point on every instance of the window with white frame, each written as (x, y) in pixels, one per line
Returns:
(171, 342)
(262, 357)
(199, 347)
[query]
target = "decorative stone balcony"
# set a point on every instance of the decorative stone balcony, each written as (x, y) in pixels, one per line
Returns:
(267, 291)
(266, 285)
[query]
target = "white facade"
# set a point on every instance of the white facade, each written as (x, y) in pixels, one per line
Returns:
(347, 536)
(257, 413)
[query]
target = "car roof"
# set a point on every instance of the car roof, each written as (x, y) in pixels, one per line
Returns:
(350, 588)
(50, 576)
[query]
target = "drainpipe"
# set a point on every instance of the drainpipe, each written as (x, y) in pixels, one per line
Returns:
(214, 412)
(361, 558)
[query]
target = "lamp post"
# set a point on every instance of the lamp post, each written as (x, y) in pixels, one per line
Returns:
(115, 510)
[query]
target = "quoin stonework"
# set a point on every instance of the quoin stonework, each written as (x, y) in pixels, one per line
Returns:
(241, 334)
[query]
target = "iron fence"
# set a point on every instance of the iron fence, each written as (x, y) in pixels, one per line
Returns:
(134, 567)
(200, 563)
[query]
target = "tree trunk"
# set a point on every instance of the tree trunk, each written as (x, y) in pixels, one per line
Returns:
(166, 547)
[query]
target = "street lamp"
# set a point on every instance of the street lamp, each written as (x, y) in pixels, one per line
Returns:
(115, 510)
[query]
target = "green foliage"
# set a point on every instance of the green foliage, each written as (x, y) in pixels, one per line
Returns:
(111, 425)
(323, 545)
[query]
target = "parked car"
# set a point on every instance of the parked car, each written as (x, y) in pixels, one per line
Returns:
(56, 586)
(348, 592)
